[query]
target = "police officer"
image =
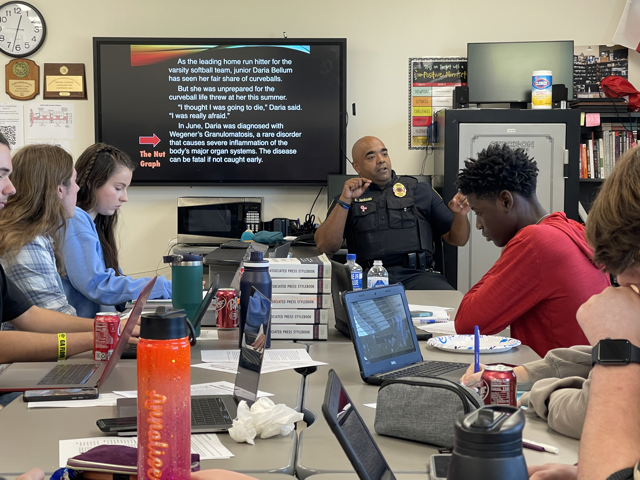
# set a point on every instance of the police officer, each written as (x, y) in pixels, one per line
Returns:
(392, 218)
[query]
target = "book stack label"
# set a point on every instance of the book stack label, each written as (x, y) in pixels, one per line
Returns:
(301, 298)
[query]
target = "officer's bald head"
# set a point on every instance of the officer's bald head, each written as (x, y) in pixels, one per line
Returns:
(371, 160)
(364, 145)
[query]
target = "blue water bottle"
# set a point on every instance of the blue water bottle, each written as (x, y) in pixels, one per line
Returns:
(253, 305)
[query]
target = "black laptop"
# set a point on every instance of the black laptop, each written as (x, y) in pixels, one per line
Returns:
(385, 340)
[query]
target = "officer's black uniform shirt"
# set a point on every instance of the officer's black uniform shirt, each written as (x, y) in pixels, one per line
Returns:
(13, 302)
(427, 202)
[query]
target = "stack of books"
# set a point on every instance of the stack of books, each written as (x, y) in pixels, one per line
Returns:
(599, 154)
(600, 105)
(300, 298)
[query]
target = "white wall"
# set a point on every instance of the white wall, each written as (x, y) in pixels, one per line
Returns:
(381, 36)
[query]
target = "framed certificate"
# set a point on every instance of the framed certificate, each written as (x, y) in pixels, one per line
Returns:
(64, 81)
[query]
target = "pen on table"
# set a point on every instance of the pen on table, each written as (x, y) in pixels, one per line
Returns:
(476, 349)
(428, 320)
(421, 314)
(540, 447)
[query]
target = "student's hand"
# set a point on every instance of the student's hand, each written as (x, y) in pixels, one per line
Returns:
(354, 187)
(219, 474)
(614, 313)
(33, 474)
(553, 471)
(470, 378)
(459, 204)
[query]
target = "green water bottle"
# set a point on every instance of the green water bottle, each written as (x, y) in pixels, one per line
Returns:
(186, 283)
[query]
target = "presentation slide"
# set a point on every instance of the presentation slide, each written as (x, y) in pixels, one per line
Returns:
(208, 114)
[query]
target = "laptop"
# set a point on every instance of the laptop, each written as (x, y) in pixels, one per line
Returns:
(213, 413)
(340, 282)
(20, 377)
(352, 433)
(385, 340)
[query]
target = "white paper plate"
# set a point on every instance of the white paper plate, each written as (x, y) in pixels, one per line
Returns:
(464, 343)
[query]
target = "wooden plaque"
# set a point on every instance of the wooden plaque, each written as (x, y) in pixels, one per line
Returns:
(64, 81)
(22, 79)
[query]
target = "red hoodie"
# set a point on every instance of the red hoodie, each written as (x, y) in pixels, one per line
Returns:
(537, 285)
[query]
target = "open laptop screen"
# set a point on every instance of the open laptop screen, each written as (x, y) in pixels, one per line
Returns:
(382, 328)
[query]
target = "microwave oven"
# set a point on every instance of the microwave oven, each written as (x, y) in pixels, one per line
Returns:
(216, 220)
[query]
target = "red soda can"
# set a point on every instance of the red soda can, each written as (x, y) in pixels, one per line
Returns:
(498, 385)
(106, 331)
(227, 307)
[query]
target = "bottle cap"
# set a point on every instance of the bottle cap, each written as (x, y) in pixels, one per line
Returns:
(351, 256)
(165, 325)
(490, 430)
(256, 261)
(377, 262)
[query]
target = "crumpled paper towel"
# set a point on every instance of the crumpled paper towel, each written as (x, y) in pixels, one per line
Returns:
(265, 419)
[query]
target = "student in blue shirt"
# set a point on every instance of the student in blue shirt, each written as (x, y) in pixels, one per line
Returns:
(94, 280)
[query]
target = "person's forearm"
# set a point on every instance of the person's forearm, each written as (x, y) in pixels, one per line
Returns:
(611, 435)
(460, 230)
(329, 235)
(522, 375)
(40, 347)
(49, 321)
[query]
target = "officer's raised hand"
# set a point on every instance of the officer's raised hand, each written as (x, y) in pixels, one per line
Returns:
(353, 188)
(459, 204)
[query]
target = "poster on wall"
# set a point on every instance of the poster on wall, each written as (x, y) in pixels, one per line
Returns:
(592, 63)
(431, 84)
(12, 124)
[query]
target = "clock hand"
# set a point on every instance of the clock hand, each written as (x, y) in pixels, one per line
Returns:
(14, 38)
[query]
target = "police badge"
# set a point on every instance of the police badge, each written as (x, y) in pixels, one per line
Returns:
(399, 190)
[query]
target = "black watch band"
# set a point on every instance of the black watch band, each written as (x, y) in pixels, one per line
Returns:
(615, 352)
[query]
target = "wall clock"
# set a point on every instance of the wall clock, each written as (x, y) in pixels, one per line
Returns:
(22, 29)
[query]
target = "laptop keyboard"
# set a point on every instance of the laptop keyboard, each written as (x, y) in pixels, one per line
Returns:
(76, 373)
(209, 411)
(425, 369)
(236, 244)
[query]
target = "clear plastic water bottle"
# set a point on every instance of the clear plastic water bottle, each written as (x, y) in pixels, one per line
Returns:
(356, 271)
(378, 275)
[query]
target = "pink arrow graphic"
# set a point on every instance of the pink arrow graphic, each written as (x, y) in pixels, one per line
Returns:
(150, 140)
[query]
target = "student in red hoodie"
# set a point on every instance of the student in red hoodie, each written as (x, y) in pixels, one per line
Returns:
(545, 271)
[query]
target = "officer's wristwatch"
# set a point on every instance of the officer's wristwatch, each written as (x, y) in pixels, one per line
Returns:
(615, 352)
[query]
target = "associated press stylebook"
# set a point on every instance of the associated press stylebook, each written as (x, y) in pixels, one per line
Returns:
(300, 300)
(300, 285)
(299, 316)
(299, 332)
(312, 267)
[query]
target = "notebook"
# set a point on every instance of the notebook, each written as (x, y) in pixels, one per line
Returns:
(385, 339)
(352, 433)
(20, 377)
(215, 413)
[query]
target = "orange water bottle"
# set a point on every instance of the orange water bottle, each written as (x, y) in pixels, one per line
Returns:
(164, 396)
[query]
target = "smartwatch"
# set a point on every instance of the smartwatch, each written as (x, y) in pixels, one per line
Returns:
(615, 352)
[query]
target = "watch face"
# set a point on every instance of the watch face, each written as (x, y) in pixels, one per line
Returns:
(22, 29)
(614, 351)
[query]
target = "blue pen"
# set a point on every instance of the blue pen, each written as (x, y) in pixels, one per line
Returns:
(476, 349)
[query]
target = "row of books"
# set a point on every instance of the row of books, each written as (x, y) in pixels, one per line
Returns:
(301, 298)
(598, 154)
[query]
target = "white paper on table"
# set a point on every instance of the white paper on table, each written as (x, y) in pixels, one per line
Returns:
(12, 123)
(50, 120)
(270, 355)
(429, 308)
(371, 405)
(448, 328)
(208, 334)
(266, 368)
(207, 445)
(103, 400)
(212, 388)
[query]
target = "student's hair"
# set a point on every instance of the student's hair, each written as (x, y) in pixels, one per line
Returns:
(95, 166)
(4, 141)
(497, 168)
(613, 226)
(36, 209)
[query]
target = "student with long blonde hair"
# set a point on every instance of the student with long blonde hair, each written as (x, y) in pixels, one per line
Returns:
(94, 280)
(33, 222)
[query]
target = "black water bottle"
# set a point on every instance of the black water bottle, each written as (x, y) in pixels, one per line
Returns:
(488, 445)
(256, 274)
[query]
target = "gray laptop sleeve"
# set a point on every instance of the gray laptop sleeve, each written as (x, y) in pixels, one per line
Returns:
(423, 409)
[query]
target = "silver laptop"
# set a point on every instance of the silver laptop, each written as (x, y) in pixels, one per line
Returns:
(20, 377)
(385, 340)
(213, 413)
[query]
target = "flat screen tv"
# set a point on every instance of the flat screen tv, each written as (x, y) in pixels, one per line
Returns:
(223, 111)
(502, 72)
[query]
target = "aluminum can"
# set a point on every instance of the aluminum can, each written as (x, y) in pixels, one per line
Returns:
(498, 385)
(106, 331)
(227, 308)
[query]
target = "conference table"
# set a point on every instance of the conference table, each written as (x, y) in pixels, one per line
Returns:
(29, 437)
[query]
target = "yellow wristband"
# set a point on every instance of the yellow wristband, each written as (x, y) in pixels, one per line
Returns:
(62, 346)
